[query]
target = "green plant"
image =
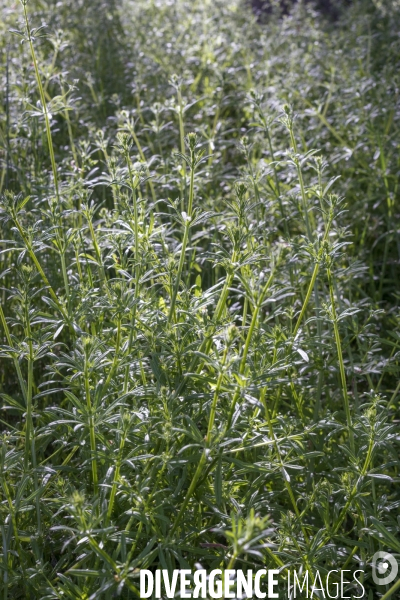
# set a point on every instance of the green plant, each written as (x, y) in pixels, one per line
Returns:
(199, 322)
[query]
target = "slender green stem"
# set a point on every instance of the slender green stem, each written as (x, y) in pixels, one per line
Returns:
(203, 459)
(16, 363)
(182, 143)
(132, 131)
(301, 182)
(116, 475)
(335, 527)
(341, 362)
(14, 524)
(96, 249)
(312, 283)
(278, 452)
(133, 185)
(392, 590)
(146, 503)
(69, 127)
(132, 334)
(216, 395)
(48, 134)
(65, 275)
(205, 346)
(189, 493)
(236, 395)
(246, 348)
(28, 414)
(394, 395)
(40, 270)
(30, 445)
(42, 99)
(183, 247)
(115, 359)
(92, 433)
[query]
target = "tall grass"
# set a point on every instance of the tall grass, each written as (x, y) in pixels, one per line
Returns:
(199, 300)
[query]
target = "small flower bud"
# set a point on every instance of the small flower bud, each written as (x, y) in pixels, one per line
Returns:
(191, 140)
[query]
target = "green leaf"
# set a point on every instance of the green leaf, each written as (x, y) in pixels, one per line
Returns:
(385, 535)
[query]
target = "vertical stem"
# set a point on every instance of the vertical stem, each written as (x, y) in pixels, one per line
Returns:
(133, 185)
(96, 248)
(42, 99)
(5, 563)
(215, 397)
(278, 452)
(182, 142)
(246, 348)
(28, 411)
(30, 446)
(92, 433)
(206, 343)
(391, 591)
(190, 491)
(116, 356)
(277, 185)
(203, 459)
(69, 127)
(116, 475)
(14, 526)
(8, 117)
(132, 334)
(9, 342)
(311, 285)
(184, 244)
(143, 158)
(64, 272)
(39, 268)
(336, 525)
(301, 181)
(341, 363)
(48, 134)
(311, 239)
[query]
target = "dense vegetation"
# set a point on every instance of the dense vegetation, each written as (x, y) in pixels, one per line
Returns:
(199, 265)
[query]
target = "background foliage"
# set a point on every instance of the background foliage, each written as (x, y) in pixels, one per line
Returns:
(199, 291)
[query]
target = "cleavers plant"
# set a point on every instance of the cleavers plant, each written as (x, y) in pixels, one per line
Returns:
(199, 324)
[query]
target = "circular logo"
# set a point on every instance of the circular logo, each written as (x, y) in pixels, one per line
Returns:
(384, 568)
